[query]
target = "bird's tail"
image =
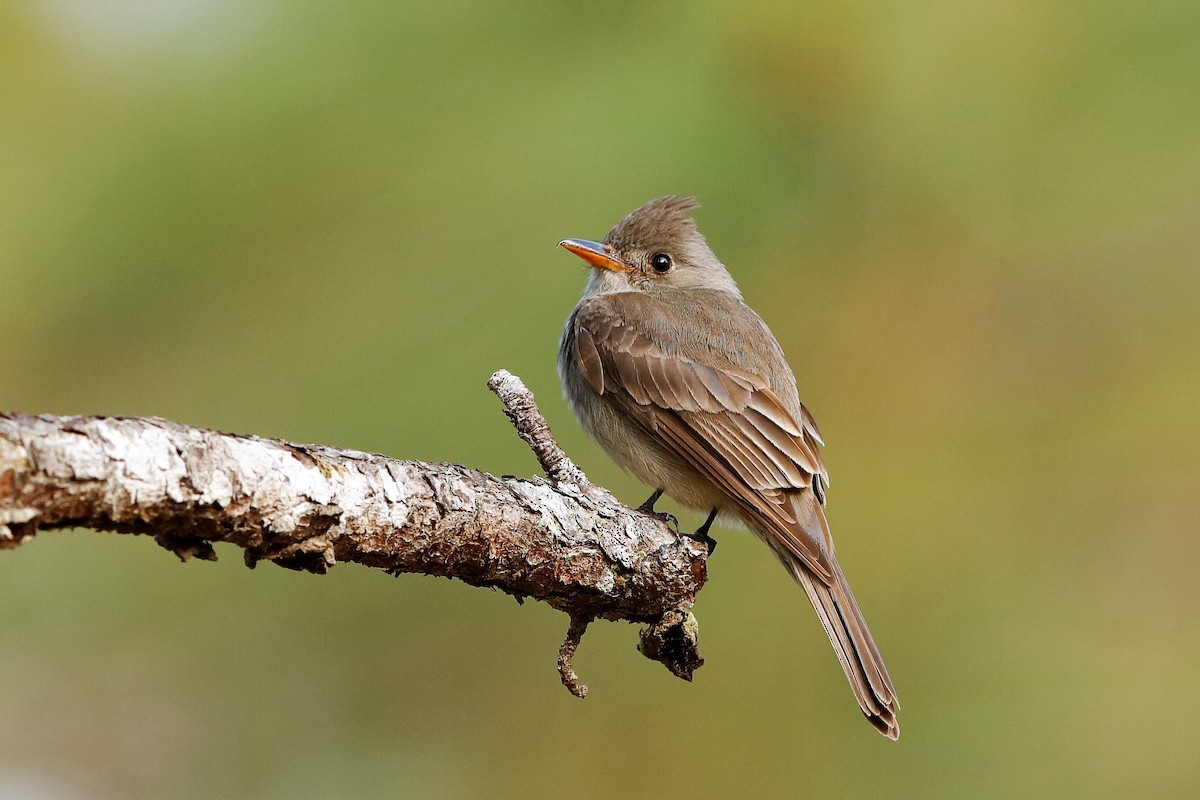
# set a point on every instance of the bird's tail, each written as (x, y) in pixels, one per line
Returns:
(840, 616)
(852, 642)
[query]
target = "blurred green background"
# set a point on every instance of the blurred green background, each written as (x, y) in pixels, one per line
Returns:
(975, 228)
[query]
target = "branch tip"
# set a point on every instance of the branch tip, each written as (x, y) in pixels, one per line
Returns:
(672, 640)
(532, 427)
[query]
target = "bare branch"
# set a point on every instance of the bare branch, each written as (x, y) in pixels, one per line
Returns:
(307, 507)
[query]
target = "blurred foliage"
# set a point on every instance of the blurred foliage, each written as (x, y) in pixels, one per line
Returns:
(974, 227)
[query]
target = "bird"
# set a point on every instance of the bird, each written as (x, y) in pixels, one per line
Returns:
(685, 387)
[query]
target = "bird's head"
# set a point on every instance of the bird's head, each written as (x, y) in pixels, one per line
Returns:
(655, 248)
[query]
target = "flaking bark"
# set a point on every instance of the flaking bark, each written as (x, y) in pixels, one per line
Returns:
(308, 507)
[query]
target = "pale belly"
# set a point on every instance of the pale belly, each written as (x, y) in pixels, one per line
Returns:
(634, 449)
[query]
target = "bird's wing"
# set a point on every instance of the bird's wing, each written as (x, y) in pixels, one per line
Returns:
(725, 422)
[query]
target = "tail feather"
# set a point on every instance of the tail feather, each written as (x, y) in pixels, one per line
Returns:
(856, 650)
(841, 618)
(877, 674)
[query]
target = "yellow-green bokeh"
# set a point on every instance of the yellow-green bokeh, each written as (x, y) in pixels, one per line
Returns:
(975, 228)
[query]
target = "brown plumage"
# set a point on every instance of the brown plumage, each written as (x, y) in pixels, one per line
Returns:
(685, 387)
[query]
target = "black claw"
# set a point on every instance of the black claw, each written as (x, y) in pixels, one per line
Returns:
(663, 516)
(648, 508)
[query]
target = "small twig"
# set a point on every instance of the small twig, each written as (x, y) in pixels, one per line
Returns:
(531, 426)
(565, 653)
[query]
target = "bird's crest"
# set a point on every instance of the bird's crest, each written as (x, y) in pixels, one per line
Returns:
(663, 219)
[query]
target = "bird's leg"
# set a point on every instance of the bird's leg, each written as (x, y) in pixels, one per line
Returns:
(702, 533)
(648, 508)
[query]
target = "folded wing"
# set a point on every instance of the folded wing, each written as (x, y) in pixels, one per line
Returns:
(725, 422)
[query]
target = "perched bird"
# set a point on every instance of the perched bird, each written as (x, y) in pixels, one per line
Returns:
(685, 387)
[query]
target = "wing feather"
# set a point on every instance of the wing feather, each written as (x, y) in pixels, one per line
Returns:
(588, 359)
(726, 423)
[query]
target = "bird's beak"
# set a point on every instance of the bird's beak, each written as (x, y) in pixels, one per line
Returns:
(595, 253)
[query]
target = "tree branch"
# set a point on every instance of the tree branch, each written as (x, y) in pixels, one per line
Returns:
(307, 507)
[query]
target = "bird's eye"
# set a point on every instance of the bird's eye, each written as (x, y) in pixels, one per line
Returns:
(661, 262)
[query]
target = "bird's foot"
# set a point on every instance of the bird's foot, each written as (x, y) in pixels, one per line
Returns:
(701, 533)
(663, 516)
(705, 540)
(648, 508)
